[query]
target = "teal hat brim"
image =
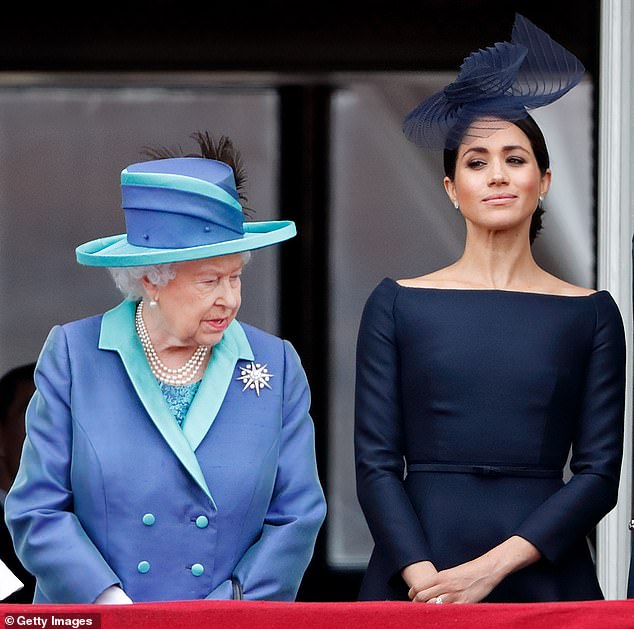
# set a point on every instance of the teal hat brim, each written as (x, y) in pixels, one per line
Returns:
(116, 251)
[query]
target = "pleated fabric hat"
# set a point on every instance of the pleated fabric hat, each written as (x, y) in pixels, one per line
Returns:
(179, 209)
(499, 83)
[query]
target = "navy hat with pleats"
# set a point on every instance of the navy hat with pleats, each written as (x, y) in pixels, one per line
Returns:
(501, 82)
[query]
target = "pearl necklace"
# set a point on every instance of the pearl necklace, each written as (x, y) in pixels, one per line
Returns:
(180, 376)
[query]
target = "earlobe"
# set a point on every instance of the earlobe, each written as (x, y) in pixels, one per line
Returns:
(151, 291)
(147, 285)
(450, 189)
(545, 183)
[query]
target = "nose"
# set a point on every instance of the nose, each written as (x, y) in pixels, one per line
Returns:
(498, 173)
(227, 295)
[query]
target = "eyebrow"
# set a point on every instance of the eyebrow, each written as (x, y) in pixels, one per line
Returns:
(212, 271)
(505, 149)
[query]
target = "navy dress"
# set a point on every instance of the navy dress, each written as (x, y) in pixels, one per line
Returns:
(467, 404)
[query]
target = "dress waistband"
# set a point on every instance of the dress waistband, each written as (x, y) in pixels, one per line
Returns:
(487, 470)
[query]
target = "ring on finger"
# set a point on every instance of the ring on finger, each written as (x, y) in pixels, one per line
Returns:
(439, 600)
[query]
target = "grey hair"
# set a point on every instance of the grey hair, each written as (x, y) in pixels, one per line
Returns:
(129, 279)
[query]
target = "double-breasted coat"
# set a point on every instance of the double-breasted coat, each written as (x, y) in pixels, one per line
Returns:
(112, 491)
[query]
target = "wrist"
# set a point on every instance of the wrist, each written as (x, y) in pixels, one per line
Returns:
(416, 572)
(511, 555)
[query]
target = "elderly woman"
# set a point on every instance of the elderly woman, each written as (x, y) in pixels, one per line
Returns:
(169, 451)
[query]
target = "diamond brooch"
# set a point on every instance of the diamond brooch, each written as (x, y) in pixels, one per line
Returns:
(255, 376)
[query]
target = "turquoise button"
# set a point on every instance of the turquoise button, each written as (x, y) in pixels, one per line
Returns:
(198, 569)
(149, 519)
(202, 522)
(143, 567)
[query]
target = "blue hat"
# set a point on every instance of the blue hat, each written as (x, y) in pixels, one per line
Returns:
(178, 209)
(502, 82)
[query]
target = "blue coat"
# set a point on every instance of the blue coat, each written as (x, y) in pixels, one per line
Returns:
(112, 491)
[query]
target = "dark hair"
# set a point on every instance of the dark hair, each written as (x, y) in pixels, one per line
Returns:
(538, 144)
(9, 384)
(221, 149)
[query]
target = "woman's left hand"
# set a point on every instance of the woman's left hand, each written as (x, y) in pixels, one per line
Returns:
(467, 583)
(472, 581)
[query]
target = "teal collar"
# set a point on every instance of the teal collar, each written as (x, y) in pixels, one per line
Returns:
(118, 334)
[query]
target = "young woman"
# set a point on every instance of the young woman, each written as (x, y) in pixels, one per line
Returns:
(474, 382)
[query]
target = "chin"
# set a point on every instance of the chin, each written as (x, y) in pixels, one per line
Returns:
(502, 223)
(210, 338)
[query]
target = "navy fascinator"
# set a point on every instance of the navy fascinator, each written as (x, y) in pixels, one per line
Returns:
(501, 82)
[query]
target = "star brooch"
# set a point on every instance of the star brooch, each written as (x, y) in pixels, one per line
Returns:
(255, 376)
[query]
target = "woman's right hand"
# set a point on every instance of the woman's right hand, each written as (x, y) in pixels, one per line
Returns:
(113, 595)
(419, 576)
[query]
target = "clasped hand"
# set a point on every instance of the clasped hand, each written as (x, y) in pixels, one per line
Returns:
(472, 581)
(469, 582)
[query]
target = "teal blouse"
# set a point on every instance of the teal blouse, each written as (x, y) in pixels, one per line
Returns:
(179, 398)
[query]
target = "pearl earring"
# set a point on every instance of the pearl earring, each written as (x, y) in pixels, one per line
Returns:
(456, 204)
(153, 303)
(541, 201)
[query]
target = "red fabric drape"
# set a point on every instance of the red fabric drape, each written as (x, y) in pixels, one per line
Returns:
(265, 615)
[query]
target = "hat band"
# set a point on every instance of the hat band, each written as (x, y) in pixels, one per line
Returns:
(167, 230)
(181, 182)
(151, 219)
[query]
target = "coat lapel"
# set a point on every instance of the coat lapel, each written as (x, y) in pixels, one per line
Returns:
(216, 380)
(118, 334)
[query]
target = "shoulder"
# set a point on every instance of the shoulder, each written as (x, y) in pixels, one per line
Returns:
(607, 311)
(380, 304)
(274, 351)
(83, 331)
(64, 343)
(259, 337)
(603, 299)
(609, 339)
(84, 326)
(79, 336)
(383, 295)
(379, 313)
(266, 346)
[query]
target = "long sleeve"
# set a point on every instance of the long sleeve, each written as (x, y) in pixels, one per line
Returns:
(379, 447)
(48, 537)
(273, 567)
(597, 445)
